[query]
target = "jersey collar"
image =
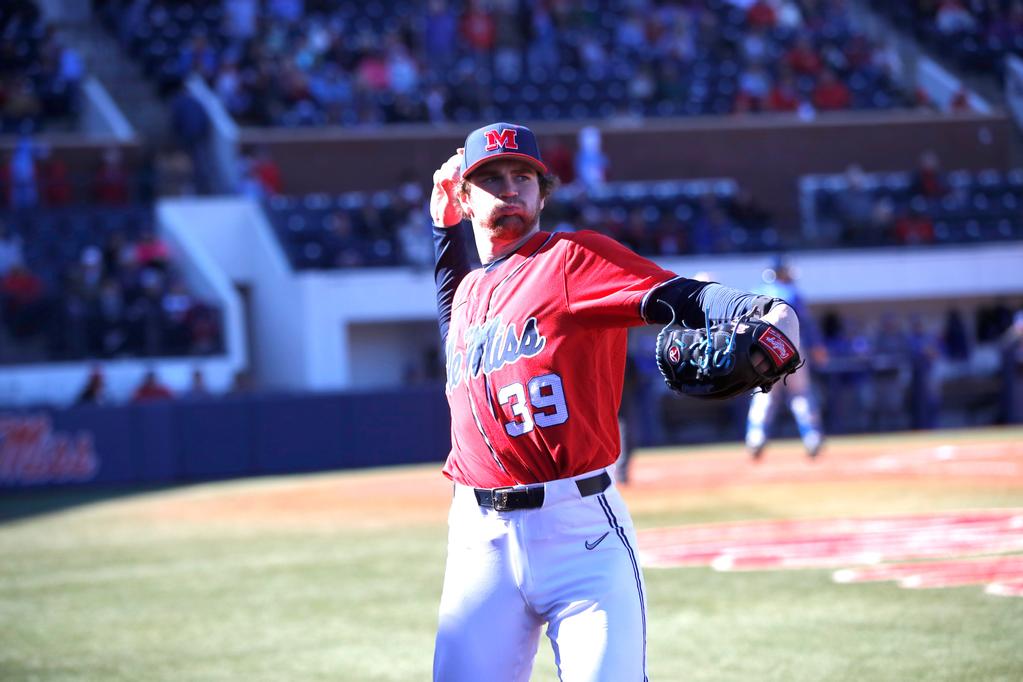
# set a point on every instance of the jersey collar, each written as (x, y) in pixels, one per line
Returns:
(527, 248)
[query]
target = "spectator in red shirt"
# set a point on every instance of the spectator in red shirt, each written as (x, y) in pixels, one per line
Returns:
(372, 73)
(23, 296)
(151, 251)
(915, 227)
(761, 15)
(151, 390)
(928, 178)
(559, 159)
(960, 102)
(784, 96)
(56, 184)
(831, 93)
(802, 59)
(266, 170)
(478, 29)
(111, 185)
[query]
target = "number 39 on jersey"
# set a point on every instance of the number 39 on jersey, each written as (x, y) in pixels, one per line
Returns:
(545, 406)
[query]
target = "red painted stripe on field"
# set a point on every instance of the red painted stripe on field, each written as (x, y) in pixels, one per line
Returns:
(840, 552)
(834, 542)
(762, 530)
(835, 554)
(977, 570)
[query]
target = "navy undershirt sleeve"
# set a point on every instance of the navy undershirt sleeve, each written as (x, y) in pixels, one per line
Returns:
(695, 302)
(452, 266)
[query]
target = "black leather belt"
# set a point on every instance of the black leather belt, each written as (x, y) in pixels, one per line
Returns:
(511, 498)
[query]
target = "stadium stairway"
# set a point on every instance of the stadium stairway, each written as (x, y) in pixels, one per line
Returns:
(103, 57)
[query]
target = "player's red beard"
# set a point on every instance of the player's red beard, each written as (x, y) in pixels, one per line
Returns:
(511, 225)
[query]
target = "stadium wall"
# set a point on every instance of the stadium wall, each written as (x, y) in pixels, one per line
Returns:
(231, 436)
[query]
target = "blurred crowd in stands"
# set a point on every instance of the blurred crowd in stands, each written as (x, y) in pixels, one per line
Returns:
(921, 206)
(83, 273)
(40, 75)
(151, 388)
(104, 294)
(317, 62)
(977, 34)
(655, 219)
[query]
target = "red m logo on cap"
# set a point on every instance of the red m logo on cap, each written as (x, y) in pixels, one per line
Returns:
(504, 138)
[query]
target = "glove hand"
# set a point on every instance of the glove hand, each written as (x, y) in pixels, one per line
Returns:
(445, 209)
(729, 359)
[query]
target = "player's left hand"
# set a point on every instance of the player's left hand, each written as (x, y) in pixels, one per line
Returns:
(444, 207)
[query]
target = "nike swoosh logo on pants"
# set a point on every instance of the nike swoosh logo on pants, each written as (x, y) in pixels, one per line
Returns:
(591, 545)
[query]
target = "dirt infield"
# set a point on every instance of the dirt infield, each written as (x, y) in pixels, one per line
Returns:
(928, 457)
(660, 479)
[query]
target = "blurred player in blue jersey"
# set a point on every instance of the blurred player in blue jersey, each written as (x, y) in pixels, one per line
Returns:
(797, 390)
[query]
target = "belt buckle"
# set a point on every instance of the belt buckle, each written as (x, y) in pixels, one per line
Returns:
(500, 497)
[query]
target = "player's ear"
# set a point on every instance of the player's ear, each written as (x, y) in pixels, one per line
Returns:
(463, 201)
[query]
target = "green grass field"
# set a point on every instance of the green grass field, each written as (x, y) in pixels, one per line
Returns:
(337, 577)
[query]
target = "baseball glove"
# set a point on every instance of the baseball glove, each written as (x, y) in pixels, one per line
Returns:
(725, 359)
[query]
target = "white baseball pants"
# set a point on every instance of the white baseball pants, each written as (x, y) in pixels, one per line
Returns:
(571, 564)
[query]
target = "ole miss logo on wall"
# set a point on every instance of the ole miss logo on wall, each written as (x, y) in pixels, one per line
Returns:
(501, 139)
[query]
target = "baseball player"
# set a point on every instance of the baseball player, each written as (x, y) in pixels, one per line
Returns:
(797, 389)
(535, 344)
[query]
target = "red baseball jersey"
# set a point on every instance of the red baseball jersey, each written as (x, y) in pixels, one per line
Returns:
(536, 359)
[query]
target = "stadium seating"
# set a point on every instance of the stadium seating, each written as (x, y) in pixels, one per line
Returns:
(369, 63)
(39, 73)
(322, 231)
(973, 206)
(655, 218)
(676, 217)
(976, 35)
(96, 282)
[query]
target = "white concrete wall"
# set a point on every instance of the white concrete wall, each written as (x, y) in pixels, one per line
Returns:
(336, 300)
(232, 233)
(384, 354)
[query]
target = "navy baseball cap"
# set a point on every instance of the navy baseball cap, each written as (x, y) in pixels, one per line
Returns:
(499, 141)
